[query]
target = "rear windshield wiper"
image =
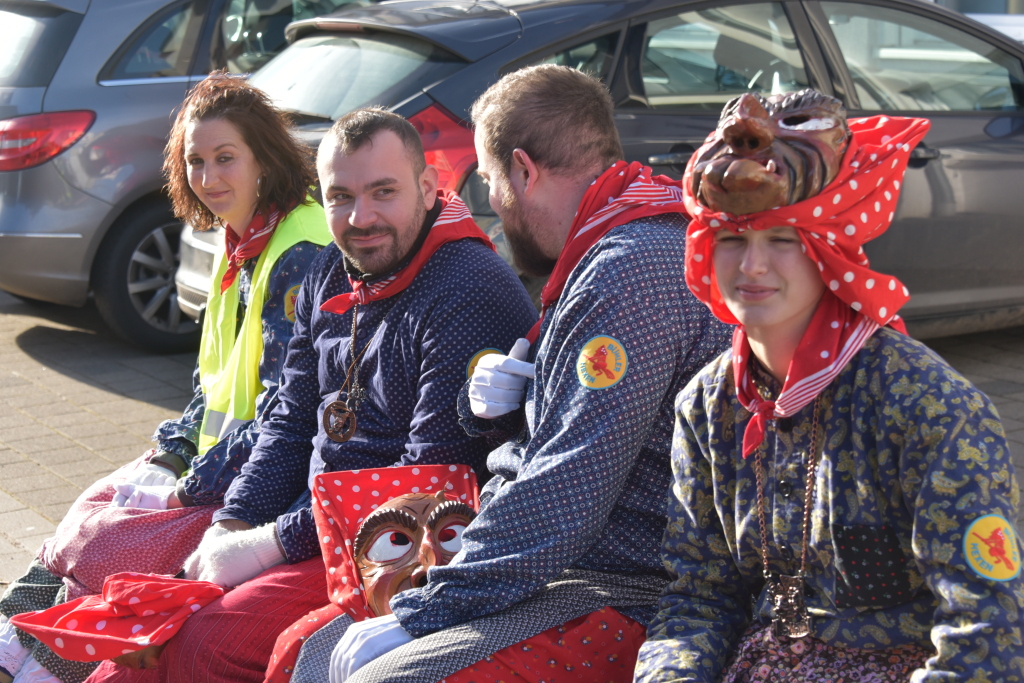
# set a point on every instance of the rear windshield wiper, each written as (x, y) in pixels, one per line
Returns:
(304, 117)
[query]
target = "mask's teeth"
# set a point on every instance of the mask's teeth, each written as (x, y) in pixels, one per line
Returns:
(770, 166)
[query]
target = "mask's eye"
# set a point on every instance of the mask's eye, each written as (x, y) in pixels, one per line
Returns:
(390, 545)
(450, 537)
(804, 122)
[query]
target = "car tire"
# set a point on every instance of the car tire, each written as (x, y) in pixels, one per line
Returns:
(133, 281)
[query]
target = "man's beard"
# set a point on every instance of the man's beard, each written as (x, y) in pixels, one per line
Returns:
(384, 259)
(526, 253)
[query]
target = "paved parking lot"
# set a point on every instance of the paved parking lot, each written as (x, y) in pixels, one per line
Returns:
(76, 403)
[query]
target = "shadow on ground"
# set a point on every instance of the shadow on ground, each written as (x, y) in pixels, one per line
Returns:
(76, 343)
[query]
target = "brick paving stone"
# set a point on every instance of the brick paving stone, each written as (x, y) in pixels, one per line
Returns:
(8, 503)
(22, 523)
(53, 459)
(42, 442)
(56, 511)
(24, 486)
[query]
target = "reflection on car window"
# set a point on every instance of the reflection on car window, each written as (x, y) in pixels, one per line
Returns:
(902, 61)
(165, 48)
(33, 40)
(324, 77)
(700, 60)
(251, 32)
(593, 57)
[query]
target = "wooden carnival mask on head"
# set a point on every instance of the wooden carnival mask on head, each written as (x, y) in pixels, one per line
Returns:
(771, 152)
(402, 539)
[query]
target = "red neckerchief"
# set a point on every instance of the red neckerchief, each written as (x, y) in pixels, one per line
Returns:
(134, 611)
(452, 224)
(341, 502)
(833, 225)
(623, 193)
(249, 245)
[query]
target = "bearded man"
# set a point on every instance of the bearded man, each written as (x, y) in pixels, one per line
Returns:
(560, 570)
(389, 321)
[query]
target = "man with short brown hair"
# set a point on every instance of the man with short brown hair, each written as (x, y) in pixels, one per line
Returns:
(560, 570)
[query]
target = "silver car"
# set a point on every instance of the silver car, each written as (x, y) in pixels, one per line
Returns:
(87, 91)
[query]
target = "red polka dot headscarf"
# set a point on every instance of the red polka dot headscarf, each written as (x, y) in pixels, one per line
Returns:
(833, 225)
(853, 209)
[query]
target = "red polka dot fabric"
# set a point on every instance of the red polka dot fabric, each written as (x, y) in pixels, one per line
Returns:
(134, 611)
(855, 208)
(833, 225)
(341, 501)
(600, 647)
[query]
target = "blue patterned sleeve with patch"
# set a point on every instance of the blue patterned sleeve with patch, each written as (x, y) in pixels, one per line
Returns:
(575, 494)
(212, 473)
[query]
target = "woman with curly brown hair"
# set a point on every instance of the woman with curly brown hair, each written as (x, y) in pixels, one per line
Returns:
(230, 161)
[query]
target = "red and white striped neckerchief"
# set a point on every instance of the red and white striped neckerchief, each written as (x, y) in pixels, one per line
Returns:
(623, 193)
(453, 223)
(250, 245)
(833, 226)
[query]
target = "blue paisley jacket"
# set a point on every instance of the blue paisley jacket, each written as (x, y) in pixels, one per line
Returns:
(913, 456)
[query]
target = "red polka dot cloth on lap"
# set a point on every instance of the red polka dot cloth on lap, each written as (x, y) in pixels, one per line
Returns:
(600, 647)
(133, 612)
(833, 226)
(341, 501)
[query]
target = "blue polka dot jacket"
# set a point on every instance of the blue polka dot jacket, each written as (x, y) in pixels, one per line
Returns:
(419, 345)
(914, 481)
(583, 484)
(208, 477)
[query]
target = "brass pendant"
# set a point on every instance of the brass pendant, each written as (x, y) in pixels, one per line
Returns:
(339, 421)
(790, 618)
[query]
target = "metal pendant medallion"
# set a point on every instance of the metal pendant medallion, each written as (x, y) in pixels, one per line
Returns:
(339, 421)
(790, 618)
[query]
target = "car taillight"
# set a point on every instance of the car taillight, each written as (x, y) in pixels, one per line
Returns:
(27, 141)
(447, 144)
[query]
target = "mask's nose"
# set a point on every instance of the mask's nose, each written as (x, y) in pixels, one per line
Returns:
(749, 131)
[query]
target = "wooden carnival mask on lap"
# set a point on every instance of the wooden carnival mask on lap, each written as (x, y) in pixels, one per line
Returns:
(402, 539)
(771, 152)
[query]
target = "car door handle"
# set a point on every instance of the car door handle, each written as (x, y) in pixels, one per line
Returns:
(925, 153)
(671, 159)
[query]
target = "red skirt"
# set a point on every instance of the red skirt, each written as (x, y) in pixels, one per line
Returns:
(600, 647)
(230, 640)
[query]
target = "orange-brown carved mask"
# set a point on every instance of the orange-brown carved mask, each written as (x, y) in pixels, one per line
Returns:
(402, 539)
(771, 152)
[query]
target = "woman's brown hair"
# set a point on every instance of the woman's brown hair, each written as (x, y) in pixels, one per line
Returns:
(287, 167)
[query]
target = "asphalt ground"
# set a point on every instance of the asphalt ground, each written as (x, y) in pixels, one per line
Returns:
(76, 403)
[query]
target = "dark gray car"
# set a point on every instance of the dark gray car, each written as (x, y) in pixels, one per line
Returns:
(957, 238)
(87, 89)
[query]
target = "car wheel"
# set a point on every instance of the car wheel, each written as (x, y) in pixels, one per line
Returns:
(133, 281)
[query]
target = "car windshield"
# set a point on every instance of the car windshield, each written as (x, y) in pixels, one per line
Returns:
(325, 77)
(33, 40)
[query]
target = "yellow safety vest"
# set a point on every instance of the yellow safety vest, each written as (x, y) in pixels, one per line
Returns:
(229, 354)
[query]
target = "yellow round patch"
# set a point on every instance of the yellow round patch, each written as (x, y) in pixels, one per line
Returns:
(289, 302)
(476, 359)
(991, 548)
(602, 363)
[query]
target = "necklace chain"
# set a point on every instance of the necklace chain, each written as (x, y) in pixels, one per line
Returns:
(339, 418)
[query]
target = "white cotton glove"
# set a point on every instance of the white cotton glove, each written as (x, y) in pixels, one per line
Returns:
(229, 558)
(499, 382)
(364, 642)
(12, 654)
(144, 497)
(150, 475)
(34, 672)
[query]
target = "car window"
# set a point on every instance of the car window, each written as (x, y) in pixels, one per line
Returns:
(701, 60)
(164, 47)
(33, 40)
(593, 57)
(251, 32)
(326, 76)
(905, 62)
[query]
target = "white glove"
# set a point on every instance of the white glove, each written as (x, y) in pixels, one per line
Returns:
(364, 642)
(144, 497)
(151, 474)
(33, 672)
(499, 382)
(229, 558)
(12, 653)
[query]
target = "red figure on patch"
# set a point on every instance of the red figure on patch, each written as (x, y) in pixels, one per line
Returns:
(600, 362)
(996, 543)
